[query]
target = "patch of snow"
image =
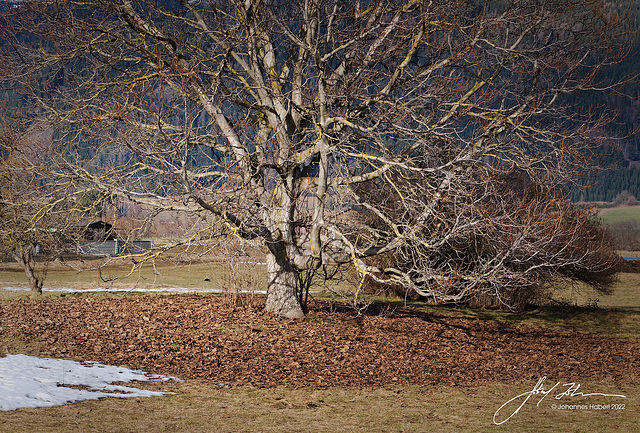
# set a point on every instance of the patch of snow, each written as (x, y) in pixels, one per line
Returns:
(127, 290)
(29, 381)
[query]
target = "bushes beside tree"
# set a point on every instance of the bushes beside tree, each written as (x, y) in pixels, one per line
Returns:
(529, 239)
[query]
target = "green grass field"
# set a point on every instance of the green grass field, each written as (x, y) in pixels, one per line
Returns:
(202, 406)
(620, 214)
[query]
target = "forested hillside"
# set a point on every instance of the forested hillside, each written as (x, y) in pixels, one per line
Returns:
(609, 185)
(621, 162)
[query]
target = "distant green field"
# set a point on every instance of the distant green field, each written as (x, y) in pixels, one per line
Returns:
(619, 214)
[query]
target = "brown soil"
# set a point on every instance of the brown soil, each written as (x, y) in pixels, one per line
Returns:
(198, 336)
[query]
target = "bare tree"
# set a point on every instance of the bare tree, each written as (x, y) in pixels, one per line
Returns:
(35, 221)
(265, 115)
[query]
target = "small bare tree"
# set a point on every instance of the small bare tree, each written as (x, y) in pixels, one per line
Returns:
(35, 220)
(265, 115)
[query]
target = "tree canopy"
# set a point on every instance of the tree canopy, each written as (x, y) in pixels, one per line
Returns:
(332, 131)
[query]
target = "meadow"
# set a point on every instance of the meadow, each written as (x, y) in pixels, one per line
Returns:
(204, 405)
(620, 214)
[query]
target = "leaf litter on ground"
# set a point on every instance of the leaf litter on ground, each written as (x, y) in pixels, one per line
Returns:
(203, 337)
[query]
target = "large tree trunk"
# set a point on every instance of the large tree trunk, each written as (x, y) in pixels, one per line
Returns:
(24, 256)
(34, 282)
(282, 294)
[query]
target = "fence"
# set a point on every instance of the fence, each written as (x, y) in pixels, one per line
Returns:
(113, 248)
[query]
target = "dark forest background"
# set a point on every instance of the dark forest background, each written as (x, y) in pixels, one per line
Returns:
(617, 177)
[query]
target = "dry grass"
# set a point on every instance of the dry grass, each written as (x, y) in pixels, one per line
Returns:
(207, 407)
(198, 275)
(625, 295)
(205, 274)
(573, 307)
(617, 314)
